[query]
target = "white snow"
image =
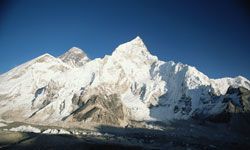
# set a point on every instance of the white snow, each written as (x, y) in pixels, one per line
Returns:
(51, 131)
(26, 129)
(56, 131)
(2, 124)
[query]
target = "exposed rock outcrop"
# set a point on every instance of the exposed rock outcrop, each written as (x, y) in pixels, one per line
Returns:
(236, 107)
(104, 109)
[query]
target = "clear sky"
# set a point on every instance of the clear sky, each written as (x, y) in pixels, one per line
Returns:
(212, 35)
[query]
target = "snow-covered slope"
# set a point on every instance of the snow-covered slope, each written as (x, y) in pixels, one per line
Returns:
(73, 88)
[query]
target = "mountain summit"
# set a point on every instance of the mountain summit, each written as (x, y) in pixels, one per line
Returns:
(129, 85)
(135, 47)
(75, 57)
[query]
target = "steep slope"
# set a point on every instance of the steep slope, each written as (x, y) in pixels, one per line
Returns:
(237, 106)
(190, 92)
(130, 84)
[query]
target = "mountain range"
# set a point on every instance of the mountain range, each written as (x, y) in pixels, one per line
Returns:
(129, 85)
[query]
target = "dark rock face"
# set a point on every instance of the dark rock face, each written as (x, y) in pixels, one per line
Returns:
(106, 109)
(186, 104)
(237, 107)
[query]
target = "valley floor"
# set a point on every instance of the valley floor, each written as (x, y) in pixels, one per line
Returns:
(178, 135)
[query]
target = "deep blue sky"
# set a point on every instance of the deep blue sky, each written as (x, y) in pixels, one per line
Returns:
(213, 36)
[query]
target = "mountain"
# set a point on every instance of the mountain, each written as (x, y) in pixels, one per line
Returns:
(129, 85)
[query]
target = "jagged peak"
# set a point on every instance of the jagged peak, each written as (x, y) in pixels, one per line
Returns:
(76, 50)
(134, 48)
(137, 40)
(74, 57)
(134, 45)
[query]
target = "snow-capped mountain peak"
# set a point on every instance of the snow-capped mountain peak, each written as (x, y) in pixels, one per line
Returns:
(76, 50)
(135, 51)
(138, 41)
(132, 47)
(75, 57)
